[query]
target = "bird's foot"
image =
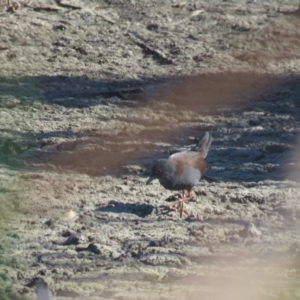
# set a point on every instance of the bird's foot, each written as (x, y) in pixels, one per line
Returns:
(178, 206)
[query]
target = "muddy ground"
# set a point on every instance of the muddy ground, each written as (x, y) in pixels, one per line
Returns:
(92, 95)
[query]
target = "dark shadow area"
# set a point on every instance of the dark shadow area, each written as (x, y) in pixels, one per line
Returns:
(253, 141)
(199, 91)
(141, 210)
(66, 91)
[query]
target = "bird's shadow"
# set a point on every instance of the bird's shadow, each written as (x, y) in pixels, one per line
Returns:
(142, 210)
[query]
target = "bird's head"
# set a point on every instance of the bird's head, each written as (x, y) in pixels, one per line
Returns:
(158, 170)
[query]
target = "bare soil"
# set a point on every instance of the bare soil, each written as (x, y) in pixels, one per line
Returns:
(92, 94)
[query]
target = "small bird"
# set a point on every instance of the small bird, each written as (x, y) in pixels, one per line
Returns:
(42, 291)
(182, 171)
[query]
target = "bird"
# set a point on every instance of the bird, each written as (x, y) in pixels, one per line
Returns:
(42, 291)
(182, 171)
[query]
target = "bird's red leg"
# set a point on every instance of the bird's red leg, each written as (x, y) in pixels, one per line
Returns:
(181, 208)
(183, 193)
(179, 204)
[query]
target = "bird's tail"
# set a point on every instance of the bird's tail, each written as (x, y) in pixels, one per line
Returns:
(203, 144)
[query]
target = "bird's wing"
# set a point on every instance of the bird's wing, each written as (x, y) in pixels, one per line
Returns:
(186, 158)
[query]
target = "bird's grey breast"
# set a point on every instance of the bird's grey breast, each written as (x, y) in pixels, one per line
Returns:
(189, 177)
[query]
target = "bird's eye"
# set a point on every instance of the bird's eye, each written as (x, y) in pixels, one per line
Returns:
(158, 171)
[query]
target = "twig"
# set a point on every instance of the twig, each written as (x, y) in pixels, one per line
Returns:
(68, 5)
(156, 53)
(46, 8)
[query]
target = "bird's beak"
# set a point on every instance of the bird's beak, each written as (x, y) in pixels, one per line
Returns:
(149, 180)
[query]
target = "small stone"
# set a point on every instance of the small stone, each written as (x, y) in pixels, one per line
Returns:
(48, 222)
(76, 239)
(160, 259)
(102, 250)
